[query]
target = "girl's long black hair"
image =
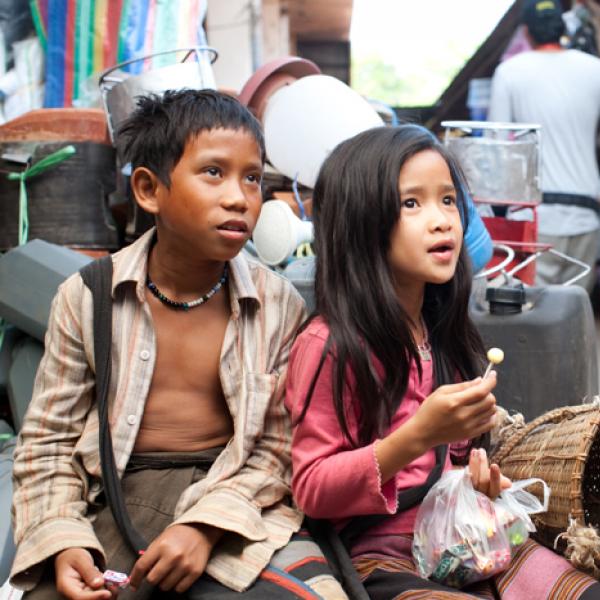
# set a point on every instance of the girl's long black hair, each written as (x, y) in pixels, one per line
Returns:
(356, 204)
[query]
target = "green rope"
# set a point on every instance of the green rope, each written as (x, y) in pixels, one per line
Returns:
(39, 167)
(38, 23)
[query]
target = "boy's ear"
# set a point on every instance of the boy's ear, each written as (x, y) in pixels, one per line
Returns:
(146, 187)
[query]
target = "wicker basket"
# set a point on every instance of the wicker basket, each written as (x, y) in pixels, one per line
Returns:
(562, 447)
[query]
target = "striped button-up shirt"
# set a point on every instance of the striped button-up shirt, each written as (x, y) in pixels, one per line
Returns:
(57, 473)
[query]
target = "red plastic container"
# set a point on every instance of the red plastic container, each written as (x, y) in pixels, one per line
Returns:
(521, 236)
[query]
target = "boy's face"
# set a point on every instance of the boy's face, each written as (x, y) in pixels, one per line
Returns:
(214, 198)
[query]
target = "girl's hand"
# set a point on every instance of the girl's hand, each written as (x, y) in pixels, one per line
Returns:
(457, 411)
(486, 478)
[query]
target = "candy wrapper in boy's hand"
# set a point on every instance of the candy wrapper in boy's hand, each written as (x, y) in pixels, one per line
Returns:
(115, 581)
(461, 536)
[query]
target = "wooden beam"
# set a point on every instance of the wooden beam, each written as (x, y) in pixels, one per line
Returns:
(318, 20)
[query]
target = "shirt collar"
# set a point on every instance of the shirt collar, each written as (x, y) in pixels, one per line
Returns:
(131, 265)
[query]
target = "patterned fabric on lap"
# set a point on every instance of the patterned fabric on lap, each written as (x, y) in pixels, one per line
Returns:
(534, 573)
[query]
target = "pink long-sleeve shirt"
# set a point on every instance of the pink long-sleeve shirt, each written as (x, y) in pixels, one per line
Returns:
(331, 479)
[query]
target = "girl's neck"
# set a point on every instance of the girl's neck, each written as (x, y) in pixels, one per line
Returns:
(412, 304)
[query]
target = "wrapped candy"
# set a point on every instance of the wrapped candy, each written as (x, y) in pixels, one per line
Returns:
(115, 581)
(461, 536)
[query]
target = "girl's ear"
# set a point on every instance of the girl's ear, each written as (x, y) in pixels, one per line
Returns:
(146, 187)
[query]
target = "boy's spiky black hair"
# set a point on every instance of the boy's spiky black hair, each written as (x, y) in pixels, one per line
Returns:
(155, 134)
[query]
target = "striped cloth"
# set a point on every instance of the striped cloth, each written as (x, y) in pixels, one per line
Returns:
(57, 464)
(535, 573)
(152, 484)
(301, 569)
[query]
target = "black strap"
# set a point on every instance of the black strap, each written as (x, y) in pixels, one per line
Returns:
(406, 499)
(324, 534)
(97, 276)
(572, 200)
(335, 546)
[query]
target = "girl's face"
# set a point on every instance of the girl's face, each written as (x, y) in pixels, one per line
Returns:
(426, 240)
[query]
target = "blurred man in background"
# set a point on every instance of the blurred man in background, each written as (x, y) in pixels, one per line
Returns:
(559, 89)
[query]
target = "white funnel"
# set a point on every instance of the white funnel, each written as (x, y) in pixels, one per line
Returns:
(279, 232)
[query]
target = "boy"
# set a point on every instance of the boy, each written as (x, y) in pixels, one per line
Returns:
(200, 347)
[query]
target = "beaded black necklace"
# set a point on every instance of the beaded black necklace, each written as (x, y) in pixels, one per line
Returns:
(187, 305)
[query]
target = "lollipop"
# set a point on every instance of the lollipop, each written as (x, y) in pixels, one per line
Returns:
(495, 356)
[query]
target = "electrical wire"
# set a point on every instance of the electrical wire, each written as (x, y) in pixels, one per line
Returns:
(298, 199)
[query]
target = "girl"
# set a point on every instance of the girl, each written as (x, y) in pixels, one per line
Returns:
(386, 375)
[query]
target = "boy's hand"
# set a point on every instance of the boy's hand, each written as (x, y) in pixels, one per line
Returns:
(485, 478)
(458, 411)
(77, 577)
(176, 558)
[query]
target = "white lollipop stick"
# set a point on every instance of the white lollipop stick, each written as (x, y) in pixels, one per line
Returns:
(495, 356)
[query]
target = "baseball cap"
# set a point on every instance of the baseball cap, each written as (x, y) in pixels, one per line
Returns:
(543, 19)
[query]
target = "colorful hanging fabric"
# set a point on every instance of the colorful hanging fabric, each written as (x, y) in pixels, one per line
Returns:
(84, 37)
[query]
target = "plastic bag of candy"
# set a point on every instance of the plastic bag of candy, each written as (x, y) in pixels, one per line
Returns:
(514, 505)
(461, 536)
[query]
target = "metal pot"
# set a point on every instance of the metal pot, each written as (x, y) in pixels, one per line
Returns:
(119, 90)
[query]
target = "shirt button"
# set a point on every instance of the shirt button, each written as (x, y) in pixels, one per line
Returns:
(144, 355)
(132, 419)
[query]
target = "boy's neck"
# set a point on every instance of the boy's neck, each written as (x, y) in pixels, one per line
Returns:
(172, 267)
